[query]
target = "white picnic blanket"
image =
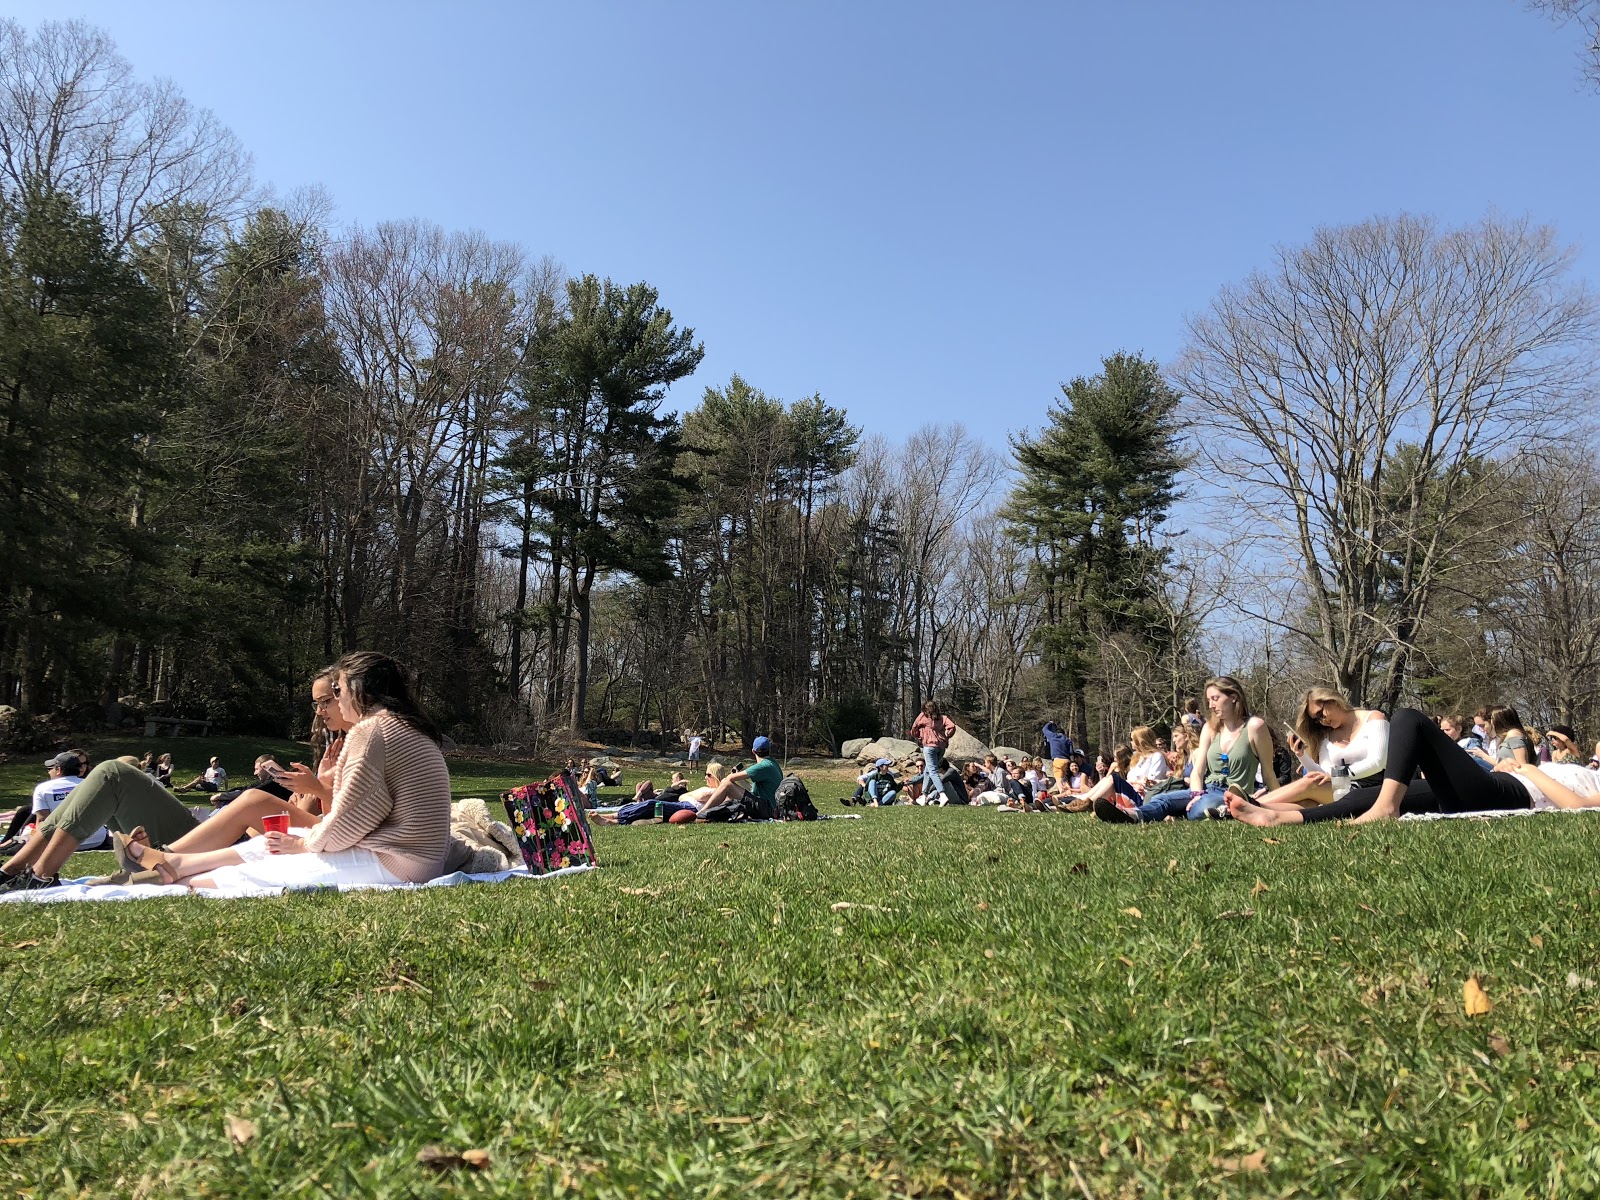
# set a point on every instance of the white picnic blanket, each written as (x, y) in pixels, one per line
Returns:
(78, 890)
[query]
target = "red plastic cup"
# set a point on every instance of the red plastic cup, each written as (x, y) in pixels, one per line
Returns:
(276, 823)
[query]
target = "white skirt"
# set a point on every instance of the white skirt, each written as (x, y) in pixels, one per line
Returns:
(339, 868)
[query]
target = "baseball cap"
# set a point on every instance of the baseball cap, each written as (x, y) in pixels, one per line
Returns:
(65, 761)
(884, 762)
(761, 745)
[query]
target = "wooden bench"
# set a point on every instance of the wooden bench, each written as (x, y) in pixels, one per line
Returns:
(175, 727)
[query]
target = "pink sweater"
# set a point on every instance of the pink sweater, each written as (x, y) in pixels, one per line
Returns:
(391, 795)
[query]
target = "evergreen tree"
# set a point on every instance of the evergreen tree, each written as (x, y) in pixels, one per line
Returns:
(1097, 482)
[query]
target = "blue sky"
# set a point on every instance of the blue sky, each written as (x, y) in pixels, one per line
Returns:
(926, 212)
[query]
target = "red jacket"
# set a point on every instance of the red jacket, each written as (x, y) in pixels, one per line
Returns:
(933, 731)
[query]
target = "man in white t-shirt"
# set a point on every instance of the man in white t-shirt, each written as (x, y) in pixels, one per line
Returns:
(695, 742)
(66, 772)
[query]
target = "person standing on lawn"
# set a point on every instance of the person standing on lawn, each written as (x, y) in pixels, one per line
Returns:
(932, 730)
(1061, 750)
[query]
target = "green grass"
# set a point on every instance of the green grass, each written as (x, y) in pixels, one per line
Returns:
(698, 1019)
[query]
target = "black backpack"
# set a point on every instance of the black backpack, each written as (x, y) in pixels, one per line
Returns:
(794, 802)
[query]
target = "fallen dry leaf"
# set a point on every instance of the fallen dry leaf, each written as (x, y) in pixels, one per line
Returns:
(1500, 1046)
(1248, 1162)
(1474, 998)
(1079, 869)
(1172, 864)
(240, 1131)
(1236, 914)
(1273, 841)
(16, 1141)
(1367, 908)
(983, 906)
(727, 1120)
(1536, 942)
(1258, 889)
(1135, 913)
(24, 945)
(437, 1158)
(1125, 960)
(724, 845)
(640, 892)
(988, 953)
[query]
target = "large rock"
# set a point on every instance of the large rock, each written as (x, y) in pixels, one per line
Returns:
(895, 748)
(854, 747)
(1005, 752)
(964, 747)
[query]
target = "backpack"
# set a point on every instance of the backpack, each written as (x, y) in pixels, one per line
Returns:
(794, 802)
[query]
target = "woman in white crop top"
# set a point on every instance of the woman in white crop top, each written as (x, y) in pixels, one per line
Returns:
(1331, 733)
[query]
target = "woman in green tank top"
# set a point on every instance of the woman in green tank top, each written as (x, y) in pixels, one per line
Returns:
(1233, 746)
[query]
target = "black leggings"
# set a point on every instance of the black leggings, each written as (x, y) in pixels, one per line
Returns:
(1455, 782)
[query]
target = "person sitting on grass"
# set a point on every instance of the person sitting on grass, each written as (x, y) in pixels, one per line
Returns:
(1234, 747)
(1333, 739)
(212, 779)
(761, 778)
(1150, 766)
(164, 770)
(114, 795)
(1455, 782)
(877, 786)
(1511, 741)
(1563, 741)
(390, 817)
(65, 772)
(309, 791)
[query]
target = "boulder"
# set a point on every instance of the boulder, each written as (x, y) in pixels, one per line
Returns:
(895, 748)
(964, 747)
(854, 747)
(1005, 752)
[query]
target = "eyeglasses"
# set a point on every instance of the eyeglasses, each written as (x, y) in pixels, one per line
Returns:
(321, 702)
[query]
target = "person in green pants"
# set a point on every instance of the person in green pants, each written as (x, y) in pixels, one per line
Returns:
(115, 794)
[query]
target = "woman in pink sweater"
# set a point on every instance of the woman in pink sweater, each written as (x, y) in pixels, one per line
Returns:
(390, 818)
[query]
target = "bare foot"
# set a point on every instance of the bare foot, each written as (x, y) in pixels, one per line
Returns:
(1262, 818)
(1375, 814)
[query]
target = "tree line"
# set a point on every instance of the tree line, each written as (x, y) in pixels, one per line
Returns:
(235, 443)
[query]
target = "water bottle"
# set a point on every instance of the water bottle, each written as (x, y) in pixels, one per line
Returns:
(1342, 782)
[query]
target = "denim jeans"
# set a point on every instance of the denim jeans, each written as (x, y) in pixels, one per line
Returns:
(644, 810)
(1176, 804)
(882, 792)
(932, 760)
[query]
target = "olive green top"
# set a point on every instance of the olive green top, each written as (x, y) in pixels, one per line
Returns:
(1240, 771)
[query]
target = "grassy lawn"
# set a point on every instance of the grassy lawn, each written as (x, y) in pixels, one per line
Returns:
(1015, 1005)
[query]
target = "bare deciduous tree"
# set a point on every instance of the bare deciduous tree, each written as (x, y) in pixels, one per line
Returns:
(1585, 15)
(1348, 397)
(74, 119)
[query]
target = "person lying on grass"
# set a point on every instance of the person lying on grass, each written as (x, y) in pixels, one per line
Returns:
(1455, 782)
(309, 791)
(390, 816)
(1332, 737)
(761, 779)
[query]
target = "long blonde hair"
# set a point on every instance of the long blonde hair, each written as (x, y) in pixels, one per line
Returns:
(1228, 686)
(1312, 734)
(1143, 739)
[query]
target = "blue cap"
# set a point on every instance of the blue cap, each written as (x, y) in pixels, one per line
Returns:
(884, 762)
(761, 745)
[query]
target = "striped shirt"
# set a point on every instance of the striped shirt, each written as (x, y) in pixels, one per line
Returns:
(391, 795)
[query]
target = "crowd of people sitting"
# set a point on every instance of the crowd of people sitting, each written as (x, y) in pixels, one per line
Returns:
(1337, 762)
(373, 805)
